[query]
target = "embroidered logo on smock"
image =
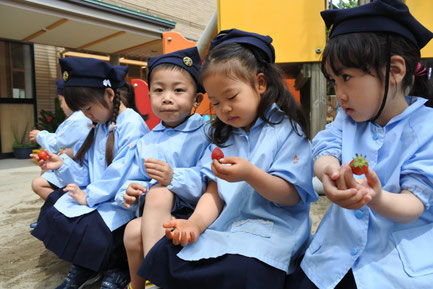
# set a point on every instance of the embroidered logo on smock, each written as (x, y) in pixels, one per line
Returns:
(188, 61)
(296, 159)
(65, 75)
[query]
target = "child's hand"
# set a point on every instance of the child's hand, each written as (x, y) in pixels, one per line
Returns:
(53, 161)
(372, 187)
(159, 171)
(33, 134)
(181, 231)
(133, 192)
(238, 170)
(76, 193)
(344, 190)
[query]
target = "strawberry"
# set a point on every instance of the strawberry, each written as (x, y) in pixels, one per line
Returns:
(43, 155)
(359, 165)
(217, 154)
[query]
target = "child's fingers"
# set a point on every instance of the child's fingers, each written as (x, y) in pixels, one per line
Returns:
(192, 237)
(169, 224)
(169, 234)
(176, 238)
(129, 199)
(372, 179)
(348, 177)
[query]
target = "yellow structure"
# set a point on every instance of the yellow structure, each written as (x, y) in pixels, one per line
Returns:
(422, 10)
(296, 27)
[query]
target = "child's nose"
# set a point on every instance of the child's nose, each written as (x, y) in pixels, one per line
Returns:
(167, 98)
(340, 94)
(227, 108)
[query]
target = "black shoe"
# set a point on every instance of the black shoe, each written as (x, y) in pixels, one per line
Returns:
(115, 279)
(78, 277)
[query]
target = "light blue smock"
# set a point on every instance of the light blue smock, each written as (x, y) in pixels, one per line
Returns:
(68, 133)
(249, 224)
(99, 182)
(380, 252)
(181, 147)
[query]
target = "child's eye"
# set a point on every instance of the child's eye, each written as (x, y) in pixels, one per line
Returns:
(233, 97)
(216, 103)
(157, 90)
(345, 77)
(179, 90)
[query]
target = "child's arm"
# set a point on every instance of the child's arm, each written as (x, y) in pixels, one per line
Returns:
(273, 188)
(207, 210)
(404, 207)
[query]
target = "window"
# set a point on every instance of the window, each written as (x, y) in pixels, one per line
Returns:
(16, 70)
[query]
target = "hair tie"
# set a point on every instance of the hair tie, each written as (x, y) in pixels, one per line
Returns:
(112, 126)
(419, 71)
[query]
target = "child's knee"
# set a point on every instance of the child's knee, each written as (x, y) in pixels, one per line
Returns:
(132, 235)
(38, 183)
(159, 197)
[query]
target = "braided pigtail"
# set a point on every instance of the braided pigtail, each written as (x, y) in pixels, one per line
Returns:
(79, 156)
(109, 147)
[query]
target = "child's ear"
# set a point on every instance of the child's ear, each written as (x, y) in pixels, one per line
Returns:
(198, 99)
(397, 69)
(261, 84)
(109, 93)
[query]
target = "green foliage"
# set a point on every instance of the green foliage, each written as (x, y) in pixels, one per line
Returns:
(334, 4)
(21, 140)
(48, 120)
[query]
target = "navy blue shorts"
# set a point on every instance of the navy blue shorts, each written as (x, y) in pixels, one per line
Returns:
(299, 280)
(85, 240)
(181, 209)
(163, 268)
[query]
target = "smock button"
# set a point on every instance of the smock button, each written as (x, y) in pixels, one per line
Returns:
(354, 251)
(375, 136)
(359, 214)
(169, 132)
(101, 157)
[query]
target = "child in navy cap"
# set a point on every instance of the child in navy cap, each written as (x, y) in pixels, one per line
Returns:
(170, 153)
(252, 223)
(70, 131)
(85, 226)
(378, 231)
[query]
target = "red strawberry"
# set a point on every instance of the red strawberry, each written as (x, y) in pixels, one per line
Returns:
(43, 155)
(217, 154)
(359, 165)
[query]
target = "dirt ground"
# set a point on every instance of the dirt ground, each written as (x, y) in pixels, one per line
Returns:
(24, 261)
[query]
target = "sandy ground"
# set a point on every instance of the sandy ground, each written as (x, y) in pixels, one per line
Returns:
(24, 261)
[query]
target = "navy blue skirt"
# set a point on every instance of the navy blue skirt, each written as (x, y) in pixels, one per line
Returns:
(163, 268)
(85, 240)
(299, 280)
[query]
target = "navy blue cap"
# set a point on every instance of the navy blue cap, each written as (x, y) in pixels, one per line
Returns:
(188, 59)
(60, 83)
(91, 72)
(238, 36)
(379, 16)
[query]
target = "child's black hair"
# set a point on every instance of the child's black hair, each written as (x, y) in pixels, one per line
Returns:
(127, 96)
(79, 97)
(366, 51)
(244, 62)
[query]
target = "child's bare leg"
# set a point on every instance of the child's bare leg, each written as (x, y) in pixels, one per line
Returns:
(41, 187)
(134, 251)
(157, 210)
